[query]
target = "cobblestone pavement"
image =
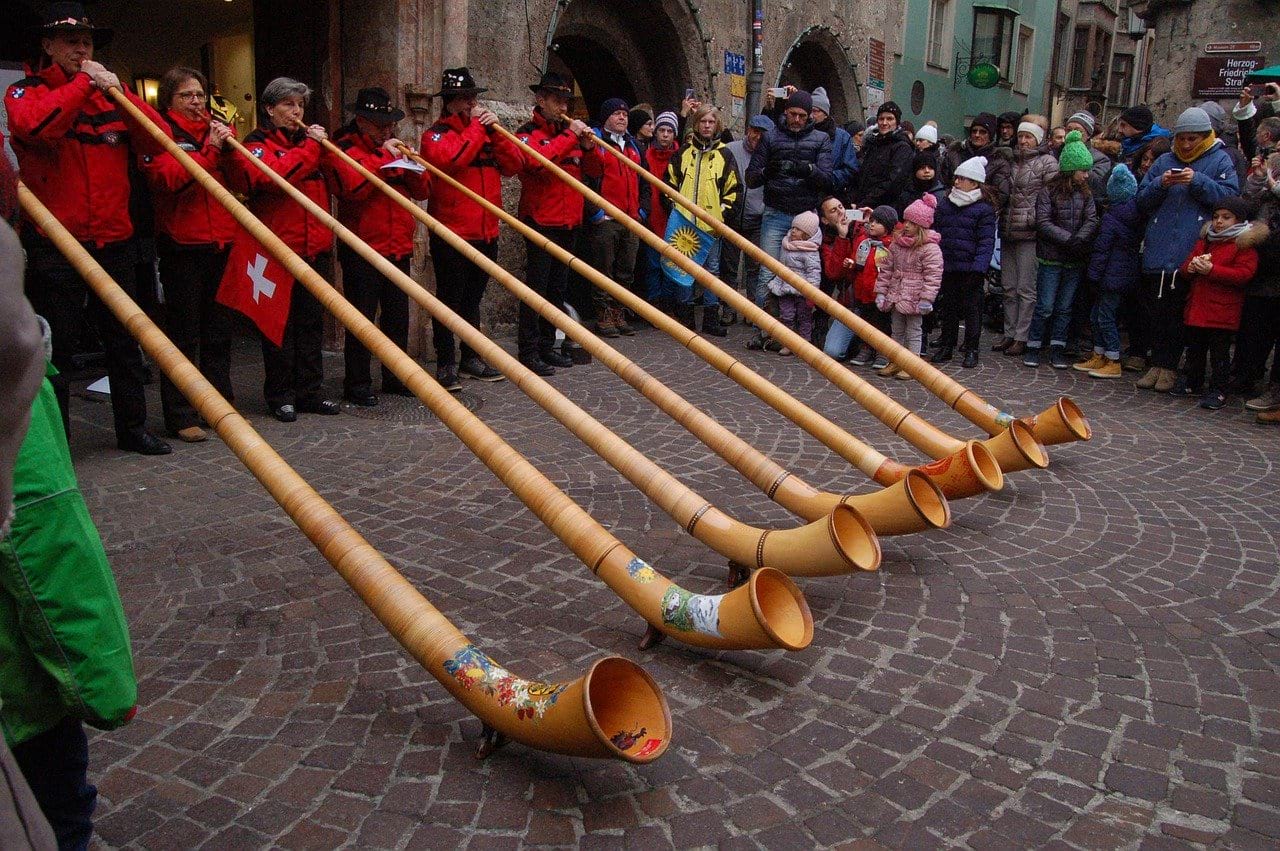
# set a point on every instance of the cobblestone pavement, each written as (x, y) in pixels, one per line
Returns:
(1086, 659)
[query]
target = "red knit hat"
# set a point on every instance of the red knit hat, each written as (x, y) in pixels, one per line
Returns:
(920, 211)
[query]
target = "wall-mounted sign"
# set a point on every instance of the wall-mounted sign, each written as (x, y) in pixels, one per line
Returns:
(1233, 47)
(984, 75)
(734, 63)
(1220, 77)
(737, 86)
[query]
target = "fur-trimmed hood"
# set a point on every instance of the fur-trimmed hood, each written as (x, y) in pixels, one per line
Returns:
(1252, 237)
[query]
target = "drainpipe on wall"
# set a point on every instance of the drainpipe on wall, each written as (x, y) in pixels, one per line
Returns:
(454, 32)
(755, 81)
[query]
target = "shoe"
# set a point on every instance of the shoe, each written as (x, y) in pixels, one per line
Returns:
(1110, 369)
(785, 352)
(325, 407)
(1016, 349)
(1058, 358)
(711, 324)
(1031, 358)
(1002, 345)
(192, 434)
(554, 358)
(1168, 378)
(1213, 400)
(1268, 417)
(479, 370)
(363, 400)
(286, 414)
(145, 443)
(1095, 360)
(620, 323)
(538, 367)
(1148, 379)
(1183, 389)
(902, 375)
(888, 370)
(1134, 363)
(1267, 402)
(447, 377)
(863, 359)
(970, 359)
(773, 345)
(756, 343)
(879, 363)
(943, 355)
(604, 325)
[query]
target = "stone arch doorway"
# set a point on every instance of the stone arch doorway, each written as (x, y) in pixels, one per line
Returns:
(818, 59)
(641, 50)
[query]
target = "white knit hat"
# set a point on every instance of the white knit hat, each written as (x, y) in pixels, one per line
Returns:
(1036, 131)
(929, 133)
(974, 168)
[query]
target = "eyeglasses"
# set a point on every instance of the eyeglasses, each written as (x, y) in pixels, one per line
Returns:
(190, 95)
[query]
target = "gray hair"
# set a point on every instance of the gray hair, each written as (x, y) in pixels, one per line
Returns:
(283, 87)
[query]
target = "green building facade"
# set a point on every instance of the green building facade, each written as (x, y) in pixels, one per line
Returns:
(949, 45)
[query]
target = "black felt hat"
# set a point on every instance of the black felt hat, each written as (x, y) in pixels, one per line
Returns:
(457, 81)
(375, 104)
(553, 82)
(70, 17)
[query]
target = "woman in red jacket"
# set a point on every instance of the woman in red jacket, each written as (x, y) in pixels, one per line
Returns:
(295, 369)
(1223, 260)
(193, 238)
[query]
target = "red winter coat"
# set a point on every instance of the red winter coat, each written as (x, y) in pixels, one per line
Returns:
(544, 198)
(73, 147)
(476, 158)
(297, 158)
(619, 185)
(1217, 298)
(835, 250)
(185, 212)
(371, 214)
(657, 160)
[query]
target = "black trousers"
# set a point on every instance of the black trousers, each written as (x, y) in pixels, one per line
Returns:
(195, 322)
(368, 289)
(1163, 300)
(460, 285)
(961, 296)
(295, 369)
(55, 764)
(1214, 343)
(547, 276)
(1259, 334)
(57, 293)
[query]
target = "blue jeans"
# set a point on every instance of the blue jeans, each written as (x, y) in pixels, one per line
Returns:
(773, 227)
(56, 766)
(1055, 291)
(656, 284)
(688, 295)
(1106, 334)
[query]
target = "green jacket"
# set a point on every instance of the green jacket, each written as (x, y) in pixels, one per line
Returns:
(64, 644)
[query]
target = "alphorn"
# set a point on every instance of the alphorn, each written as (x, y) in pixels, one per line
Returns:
(912, 504)
(840, 542)
(1014, 448)
(1062, 422)
(595, 715)
(769, 611)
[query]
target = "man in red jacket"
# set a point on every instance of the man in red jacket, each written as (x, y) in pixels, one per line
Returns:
(369, 138)
(613, 244)
(74, 146)
(552, 208)
(463, 144)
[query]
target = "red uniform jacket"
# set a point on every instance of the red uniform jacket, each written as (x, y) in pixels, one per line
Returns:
(73, 147)
(544, 199)
(185, 212)
(374, 216)
(619, 185)
(1217, 298)
(657, 160)
(476, 158)
(297, 158)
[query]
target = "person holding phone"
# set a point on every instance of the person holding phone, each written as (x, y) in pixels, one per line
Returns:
(1258, 101)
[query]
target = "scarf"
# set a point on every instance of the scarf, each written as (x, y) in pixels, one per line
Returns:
(799, 244)
(1199, 150)
(198, 129)
(864, 250)
(1227, 233)
(961, 198)
(904, 239)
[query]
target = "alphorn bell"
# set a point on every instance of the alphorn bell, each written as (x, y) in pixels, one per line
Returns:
(768, 612)
(911, 504)
(1014, 449)
(1062, 422)
(592, 716)
(840, 542)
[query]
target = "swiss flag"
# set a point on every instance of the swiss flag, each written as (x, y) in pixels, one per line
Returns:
(257, 286)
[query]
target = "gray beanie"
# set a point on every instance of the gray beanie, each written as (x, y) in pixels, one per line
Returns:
(1085, 119)
(1217, 115)
(821, 101)
(1193, 120)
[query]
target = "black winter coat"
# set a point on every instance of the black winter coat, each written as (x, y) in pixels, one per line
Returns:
(1065, 226)
(1116, 262)
(885, 170)
(968, 235)
(794, 167)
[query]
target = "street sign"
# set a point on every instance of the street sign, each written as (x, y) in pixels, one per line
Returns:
(1233, 47)
(734, 63)
(1223, 76)
(737, 86)
(984, 75)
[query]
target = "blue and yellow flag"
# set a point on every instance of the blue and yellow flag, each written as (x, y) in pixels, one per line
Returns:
(684, 236)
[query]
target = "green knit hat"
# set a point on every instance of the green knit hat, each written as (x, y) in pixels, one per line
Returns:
(1075, 156)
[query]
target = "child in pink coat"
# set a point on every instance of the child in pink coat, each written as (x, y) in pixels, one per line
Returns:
(910, 276)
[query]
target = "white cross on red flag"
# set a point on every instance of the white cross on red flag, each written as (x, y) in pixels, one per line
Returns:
(257, 286)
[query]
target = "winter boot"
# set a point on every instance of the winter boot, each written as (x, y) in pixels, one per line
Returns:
(620, 322)
(1109, 369)
(1149, 379)
(1094, 362)
(711, 322)
(1167, 381)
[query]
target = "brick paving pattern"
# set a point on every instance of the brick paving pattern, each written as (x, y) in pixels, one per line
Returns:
(1086, 659)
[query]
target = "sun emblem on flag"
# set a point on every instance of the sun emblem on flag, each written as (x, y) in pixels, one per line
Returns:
(685, 240)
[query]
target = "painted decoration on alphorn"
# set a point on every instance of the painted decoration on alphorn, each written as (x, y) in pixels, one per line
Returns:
(691, 612)
(641, 572)
(473, 669)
